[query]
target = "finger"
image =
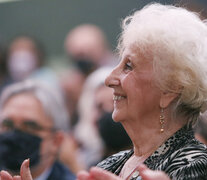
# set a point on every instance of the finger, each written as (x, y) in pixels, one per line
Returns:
(145, 172)
(142, 167)
(5, 175)
(150, 175)
(100, 174)
(84, 175)
(25, 171)
(17, 178)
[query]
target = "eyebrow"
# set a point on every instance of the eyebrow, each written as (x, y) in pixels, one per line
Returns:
(31, 122)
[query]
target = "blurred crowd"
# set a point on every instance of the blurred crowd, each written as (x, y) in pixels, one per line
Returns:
(63, 124)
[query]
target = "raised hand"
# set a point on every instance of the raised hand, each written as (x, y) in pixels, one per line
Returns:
(25, 173)
(5, 175)
(97, 174)
(148, 174)
(100, 174)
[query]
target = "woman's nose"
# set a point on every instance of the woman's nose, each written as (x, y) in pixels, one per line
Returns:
(113, 78)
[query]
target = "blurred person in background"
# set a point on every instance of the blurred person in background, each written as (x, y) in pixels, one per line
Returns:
(86, 131)
(25, 55)
(72, 83)
(26, 60)
(87, 49)
(112, 133)
(4, 80)
(32, 124)
(201, 128)
(97, 134)
(160, 88)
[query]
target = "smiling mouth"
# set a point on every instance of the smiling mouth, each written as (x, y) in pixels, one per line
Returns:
(118, 98)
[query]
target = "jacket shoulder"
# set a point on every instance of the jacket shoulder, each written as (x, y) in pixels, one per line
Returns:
(188, 163)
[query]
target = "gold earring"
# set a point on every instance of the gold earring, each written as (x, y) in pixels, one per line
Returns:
(162, 120)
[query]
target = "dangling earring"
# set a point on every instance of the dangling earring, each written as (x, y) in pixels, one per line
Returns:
(162, 120)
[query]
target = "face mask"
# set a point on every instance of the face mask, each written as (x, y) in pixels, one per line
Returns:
(16, 146)
(112, 133)
(86, 66)
(21, 64)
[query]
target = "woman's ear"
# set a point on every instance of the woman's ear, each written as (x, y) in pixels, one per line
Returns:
(166, 98)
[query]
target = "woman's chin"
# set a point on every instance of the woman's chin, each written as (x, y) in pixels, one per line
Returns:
(117, 117)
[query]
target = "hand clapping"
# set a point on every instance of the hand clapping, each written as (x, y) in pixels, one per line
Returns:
(25, 173)
(100, 174)
(95, 173)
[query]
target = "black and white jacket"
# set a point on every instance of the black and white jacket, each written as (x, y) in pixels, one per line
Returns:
(182, 157)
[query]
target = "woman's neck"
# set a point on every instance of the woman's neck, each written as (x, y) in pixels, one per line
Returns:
(146, 135)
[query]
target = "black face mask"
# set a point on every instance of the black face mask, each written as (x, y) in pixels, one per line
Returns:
(16, 146)
(86, 66)
(113, 133)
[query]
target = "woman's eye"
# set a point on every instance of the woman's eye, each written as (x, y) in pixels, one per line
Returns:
(128, 66)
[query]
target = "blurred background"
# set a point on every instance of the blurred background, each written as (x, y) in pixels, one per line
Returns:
(70, 45)
(50, 20)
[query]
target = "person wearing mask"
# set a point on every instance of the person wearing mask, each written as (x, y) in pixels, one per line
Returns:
(86, 132)
(32, 123)
(87, 49)
(26, 59)
(112, 134)
(25, 55)
(159, 90)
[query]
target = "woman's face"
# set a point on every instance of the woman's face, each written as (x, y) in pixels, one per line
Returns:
(134, 92)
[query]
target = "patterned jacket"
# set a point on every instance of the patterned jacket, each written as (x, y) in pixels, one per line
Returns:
(182, 157)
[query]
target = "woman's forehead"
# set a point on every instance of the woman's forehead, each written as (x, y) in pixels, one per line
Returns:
(129, 52)
(137, 54)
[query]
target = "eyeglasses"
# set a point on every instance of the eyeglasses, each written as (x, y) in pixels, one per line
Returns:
(29, 126)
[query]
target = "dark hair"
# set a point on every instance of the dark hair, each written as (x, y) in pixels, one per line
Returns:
(201, 127)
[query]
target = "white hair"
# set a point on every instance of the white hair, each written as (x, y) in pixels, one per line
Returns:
(175, 40)
(51, 101)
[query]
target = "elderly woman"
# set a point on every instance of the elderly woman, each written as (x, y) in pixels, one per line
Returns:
(160, 87)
